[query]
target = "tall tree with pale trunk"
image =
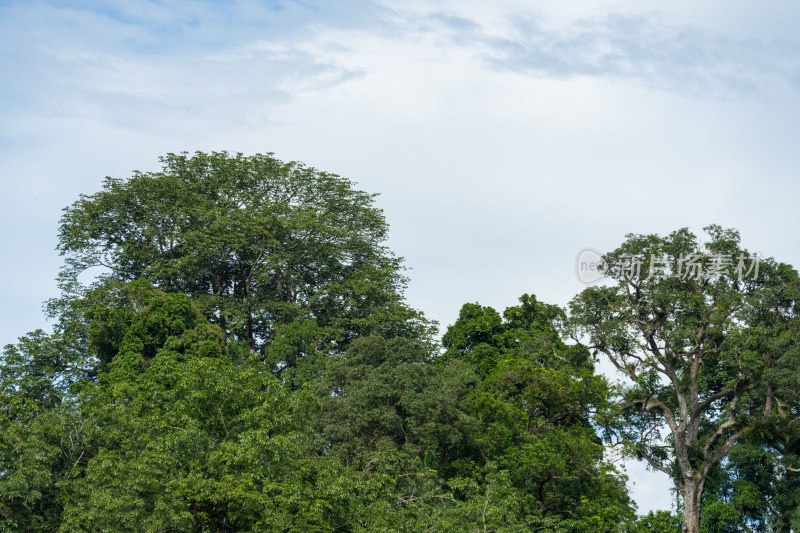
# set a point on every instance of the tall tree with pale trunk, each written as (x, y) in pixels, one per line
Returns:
(702, 333)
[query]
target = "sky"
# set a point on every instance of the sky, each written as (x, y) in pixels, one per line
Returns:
(503, 137)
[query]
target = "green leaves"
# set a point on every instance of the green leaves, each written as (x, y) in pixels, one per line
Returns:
(209, 446)
(256, 242)
(390, 395)
(705, 351)
(181, 374)
(535, 404)
(187, 439)
(245, 361)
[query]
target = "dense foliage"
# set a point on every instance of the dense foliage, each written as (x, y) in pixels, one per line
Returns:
(245, 361)
(707, 338)
(256, 243)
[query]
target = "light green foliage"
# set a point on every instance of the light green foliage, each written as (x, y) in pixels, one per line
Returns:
(657, 522)
(753, 488)
(198, 445)
(42, 434)
(27, 460)
(187, 440)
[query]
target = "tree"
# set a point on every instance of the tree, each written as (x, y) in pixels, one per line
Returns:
(757, 487)
(43, 435)
(257, 243)
(706, 335)
(180, 432)
(536, 403)
(657, 522)
(151, 406)
(390, 411)
(392, 395)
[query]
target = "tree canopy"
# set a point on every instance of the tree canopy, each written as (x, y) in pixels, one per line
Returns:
(255, 242)
(706, 334)
(243, 359)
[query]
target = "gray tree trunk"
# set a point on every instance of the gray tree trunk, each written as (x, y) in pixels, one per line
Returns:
(691, 491)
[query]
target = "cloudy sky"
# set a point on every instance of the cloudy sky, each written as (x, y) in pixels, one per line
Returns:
(503, 137)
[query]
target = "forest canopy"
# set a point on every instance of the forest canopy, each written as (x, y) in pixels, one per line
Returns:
(232, 351)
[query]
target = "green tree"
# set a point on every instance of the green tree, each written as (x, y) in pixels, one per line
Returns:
(256, 242)
(151, 406)
(390, 393)
(181, 432)
(389, 410)
(536, 403)
(705, 341)
(43, 434)
(657, 522)
(757, 487)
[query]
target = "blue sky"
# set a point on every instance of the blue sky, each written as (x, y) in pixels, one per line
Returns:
(503, 138)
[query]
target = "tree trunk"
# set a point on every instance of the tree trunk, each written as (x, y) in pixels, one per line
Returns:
(223, 321)
(691, 491)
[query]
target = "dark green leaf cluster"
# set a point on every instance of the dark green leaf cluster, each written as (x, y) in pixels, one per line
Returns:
(537, 405)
